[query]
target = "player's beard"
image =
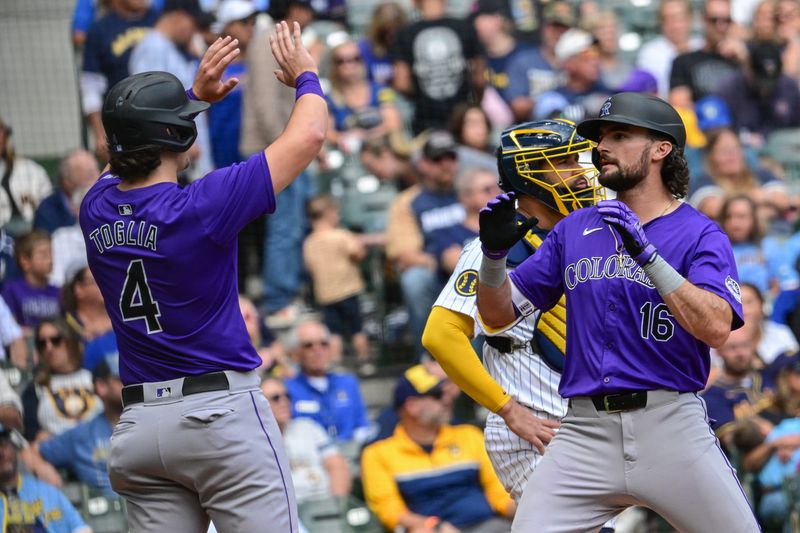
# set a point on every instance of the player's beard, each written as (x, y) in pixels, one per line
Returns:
(626, 178)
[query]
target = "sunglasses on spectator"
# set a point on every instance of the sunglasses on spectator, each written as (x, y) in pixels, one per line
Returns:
(310, 344)
(716, 21)
(279, 396)
(42, 342)
(347, 59)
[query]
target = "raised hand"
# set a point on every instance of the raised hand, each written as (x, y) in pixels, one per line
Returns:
(499, 230)
(627, 226)
(291, 55)
(208, 85)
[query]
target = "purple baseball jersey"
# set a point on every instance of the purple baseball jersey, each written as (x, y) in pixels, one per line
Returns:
(165, 260)
(30, 304)
(621, 335)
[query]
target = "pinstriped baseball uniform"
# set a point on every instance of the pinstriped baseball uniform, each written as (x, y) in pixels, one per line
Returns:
(523, 373)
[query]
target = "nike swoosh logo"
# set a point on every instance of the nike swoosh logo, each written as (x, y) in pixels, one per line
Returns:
(587, 231)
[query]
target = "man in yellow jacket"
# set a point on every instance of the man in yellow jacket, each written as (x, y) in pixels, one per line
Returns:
(431, 476)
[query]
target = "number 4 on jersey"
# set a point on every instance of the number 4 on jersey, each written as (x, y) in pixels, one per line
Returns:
(136, 301)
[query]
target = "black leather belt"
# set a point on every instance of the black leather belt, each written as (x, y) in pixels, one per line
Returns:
(213, 381)
(505, 344)
(626, 401)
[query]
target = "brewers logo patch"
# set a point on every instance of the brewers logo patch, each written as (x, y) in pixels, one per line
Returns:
(467, 283)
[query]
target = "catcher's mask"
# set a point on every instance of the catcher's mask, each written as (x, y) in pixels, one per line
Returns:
(527, 159)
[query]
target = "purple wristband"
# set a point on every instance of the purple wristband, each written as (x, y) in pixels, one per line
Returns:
(494, 254)
(308, 83)
(190, 94)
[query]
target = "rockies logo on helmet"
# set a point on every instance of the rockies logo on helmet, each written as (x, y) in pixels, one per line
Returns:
(531, 160)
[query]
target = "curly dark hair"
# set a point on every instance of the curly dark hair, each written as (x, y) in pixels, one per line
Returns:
(675, 170)
(131, 166)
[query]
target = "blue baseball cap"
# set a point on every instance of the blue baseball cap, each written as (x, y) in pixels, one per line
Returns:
(712, 112)
(415, 382)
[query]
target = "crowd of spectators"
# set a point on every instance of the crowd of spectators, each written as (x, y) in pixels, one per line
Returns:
(341, 278)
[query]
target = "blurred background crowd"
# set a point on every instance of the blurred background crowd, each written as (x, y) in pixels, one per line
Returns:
(336, 286)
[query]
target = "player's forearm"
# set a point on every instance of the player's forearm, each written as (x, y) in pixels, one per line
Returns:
(703, 314)
(446, 337)
(494, 305)
(300, 142)
(494, 293)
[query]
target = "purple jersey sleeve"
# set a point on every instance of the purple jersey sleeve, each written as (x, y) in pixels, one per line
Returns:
(713, 268)
(543, 267)
(248, 189)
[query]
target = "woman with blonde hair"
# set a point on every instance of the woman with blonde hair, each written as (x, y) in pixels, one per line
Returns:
(358, 107)
(726, 165)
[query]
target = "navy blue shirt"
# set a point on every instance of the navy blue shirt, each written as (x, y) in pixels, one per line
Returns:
(509, 74)
(225, 120)
(53, 213)
(435, 211)
(782, 110)
(446, 237)
(728, 402)
(110, 41)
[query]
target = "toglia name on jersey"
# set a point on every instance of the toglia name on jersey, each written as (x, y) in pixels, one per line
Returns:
(125, 233)
(614, 266)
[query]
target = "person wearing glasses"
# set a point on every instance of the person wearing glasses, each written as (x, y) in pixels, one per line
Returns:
(332, 399)
(429, 475)
(62, 393)
(359, 108)
(319, 470)
(703, 72)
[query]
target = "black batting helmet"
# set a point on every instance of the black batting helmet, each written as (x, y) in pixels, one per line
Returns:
(525, 162)
(637, 109)
(148, 109)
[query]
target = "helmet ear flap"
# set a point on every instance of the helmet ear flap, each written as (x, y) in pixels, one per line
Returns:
(596, 158)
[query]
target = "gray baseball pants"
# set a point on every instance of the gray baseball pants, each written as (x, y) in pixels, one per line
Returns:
(180, 460)
(664, 457)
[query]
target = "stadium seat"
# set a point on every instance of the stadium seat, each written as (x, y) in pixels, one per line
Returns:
(103, 513)
(783, 146)
(74, 493)
(338, 515)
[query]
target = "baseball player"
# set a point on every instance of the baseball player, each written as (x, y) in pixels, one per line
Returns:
(519, 386)
(652, 283)
(196, 437)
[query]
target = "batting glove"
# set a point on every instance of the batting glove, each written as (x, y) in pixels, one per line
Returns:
(499, 230)
(626, 223)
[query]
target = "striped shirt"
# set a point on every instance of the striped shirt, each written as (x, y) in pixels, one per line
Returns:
(524, 374)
